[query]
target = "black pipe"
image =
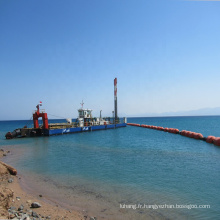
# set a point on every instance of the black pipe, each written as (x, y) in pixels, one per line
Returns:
(13, 134)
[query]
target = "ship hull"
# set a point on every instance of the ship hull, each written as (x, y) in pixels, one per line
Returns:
(50, 132)
(36, 132)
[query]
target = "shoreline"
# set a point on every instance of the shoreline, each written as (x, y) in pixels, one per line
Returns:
(56, 205)
(69, 205)
(22, 193)
(14, 197)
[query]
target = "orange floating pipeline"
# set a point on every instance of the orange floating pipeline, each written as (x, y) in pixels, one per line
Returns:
(133, 124)
(198, 136)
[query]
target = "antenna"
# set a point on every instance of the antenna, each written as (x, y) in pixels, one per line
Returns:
(38, 106)
(82, 104)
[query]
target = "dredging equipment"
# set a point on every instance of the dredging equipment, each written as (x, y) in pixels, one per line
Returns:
(84, 122)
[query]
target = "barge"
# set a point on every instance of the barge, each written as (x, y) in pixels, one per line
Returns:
(84, 123)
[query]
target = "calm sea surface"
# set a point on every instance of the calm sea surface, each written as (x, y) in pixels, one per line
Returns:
(103, 170)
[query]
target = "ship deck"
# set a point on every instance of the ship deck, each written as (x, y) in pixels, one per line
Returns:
(64, 128)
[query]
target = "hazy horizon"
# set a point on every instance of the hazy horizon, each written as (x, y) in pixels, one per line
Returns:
(192, 113)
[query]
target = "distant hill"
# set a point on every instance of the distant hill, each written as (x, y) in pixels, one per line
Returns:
(198, 112)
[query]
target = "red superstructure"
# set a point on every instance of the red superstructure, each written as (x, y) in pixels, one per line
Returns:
(42, 115)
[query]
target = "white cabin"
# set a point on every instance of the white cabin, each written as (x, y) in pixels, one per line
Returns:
(85, 113)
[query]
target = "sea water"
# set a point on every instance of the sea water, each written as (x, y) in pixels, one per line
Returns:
(125, 173)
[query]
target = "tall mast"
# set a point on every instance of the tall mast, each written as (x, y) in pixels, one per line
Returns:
(115, 99)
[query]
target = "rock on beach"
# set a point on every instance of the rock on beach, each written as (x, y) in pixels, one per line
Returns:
(35, 205)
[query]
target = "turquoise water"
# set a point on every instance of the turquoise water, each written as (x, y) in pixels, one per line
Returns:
(129, 165)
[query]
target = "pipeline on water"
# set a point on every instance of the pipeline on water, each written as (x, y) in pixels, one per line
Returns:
(198, 136)
(13, 134)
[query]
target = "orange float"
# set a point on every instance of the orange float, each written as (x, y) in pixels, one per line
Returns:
(166, 129)
(198, 136)
(191, 134)
(183, 132)
(170, 130)
(216, 141)
(176, 131)
(210, 139)
(187, 133)
(173, 130)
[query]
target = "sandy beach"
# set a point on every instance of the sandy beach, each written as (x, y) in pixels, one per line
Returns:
(15, 203)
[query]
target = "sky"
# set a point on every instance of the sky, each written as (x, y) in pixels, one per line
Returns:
(164, 53)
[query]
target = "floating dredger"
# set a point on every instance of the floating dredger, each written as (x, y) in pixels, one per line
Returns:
(84, 122)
